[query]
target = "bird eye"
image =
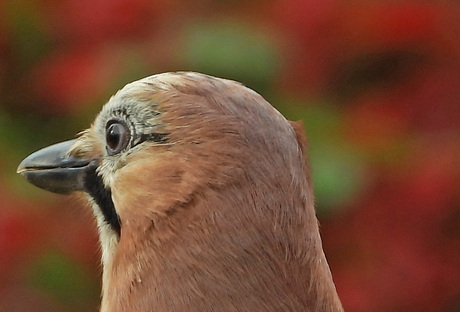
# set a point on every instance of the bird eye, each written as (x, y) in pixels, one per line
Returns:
(117, 136)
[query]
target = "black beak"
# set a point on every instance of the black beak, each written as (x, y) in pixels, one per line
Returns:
(52, 169)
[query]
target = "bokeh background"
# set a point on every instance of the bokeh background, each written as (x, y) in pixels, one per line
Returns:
(377, 84)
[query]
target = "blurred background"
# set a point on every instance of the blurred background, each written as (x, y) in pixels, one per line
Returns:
(376, 83)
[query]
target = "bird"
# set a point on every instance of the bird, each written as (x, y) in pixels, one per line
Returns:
(203, 198)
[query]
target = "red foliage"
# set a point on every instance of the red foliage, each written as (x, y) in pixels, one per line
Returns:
(397, 249)
(67, 79)
(90, 22)
(18, 235)
(329, 34)
(375, 123)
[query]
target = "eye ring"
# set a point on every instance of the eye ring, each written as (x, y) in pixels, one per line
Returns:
(117, 136)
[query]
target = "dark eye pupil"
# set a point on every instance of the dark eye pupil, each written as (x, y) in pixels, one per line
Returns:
(117, 138)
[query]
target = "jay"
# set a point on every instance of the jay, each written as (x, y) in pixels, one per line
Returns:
(203, 199)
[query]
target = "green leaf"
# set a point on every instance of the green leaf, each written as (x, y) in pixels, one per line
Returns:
(63, 279)
(338, 176)
(231, 50)
(27, 28)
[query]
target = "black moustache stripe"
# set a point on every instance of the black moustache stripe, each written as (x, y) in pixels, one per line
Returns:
(103, 198)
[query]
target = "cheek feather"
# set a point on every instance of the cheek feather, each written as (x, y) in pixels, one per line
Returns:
(165, 188)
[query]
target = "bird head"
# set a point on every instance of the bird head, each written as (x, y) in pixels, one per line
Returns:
(202, 196)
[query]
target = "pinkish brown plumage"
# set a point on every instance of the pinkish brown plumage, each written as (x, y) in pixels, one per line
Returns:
(203, 199)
